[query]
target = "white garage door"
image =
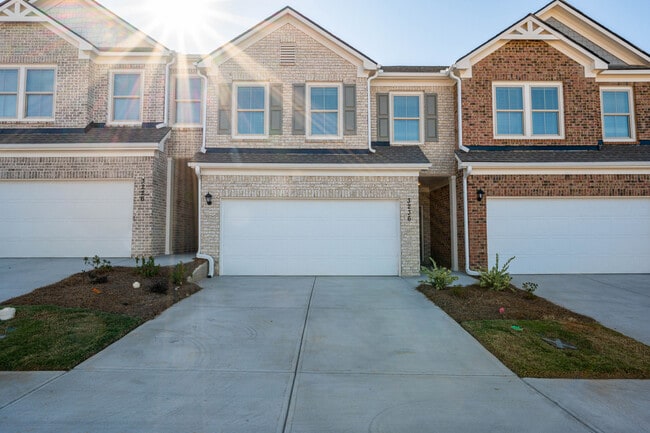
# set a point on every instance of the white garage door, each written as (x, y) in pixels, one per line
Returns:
(285, 237)
(586, 235)
(66, 219)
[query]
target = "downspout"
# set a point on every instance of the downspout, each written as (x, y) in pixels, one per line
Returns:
(204, 114)
(370, 78)
(167, 92)
(200, 255)
(459, 95)
(466, 173)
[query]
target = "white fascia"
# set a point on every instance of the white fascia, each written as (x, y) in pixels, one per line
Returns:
(556, 168)
(356, 170)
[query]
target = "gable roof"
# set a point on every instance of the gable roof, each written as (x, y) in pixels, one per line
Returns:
(273, 22)
(17, 11)
(532, 27)
(96, 23)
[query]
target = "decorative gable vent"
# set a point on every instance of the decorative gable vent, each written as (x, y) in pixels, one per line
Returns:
(287, 54)
(19, 12)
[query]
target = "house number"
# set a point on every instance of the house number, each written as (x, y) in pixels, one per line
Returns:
(408, 209)
(142, 190)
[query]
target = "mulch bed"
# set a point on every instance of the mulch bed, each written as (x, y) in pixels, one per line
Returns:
(478, 303)
(116, 295)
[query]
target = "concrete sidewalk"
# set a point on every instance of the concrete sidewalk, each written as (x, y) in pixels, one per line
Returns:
(301, 354)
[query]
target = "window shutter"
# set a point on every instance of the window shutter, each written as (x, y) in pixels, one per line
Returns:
(275, 111)
(383, 119)
(431, 117)
(350, 109)
(298, 127)
(225, 109)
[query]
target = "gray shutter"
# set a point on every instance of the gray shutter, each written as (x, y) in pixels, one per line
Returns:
(383, 118)
(225, 109)
(350, 109)
(275, 111)
(298, 127)
(431, 117)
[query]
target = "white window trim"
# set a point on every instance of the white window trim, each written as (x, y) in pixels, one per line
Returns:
(630, 92)
(391, 96)
(235, 110)
(176, 101)
(21, 96)
(339, 132)
(111, 83)
(528, 111)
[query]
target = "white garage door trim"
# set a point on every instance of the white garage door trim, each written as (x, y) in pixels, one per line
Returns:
(309, 237)
(66, 218)
(570, 235)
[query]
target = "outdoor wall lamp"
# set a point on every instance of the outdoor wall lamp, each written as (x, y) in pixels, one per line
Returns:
(479, 194)
(208, 199)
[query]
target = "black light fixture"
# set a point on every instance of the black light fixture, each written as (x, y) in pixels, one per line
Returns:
(479, 194)
(208, 199)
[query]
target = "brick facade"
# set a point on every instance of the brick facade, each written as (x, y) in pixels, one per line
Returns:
(537, 186)
(314, 188)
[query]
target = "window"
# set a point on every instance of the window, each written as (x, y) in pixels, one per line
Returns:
(127, 97)
(27, 93)
(324, 111)
(251, 107)
(525, 110)
(618, 122)
(188, 101)
(406, 112)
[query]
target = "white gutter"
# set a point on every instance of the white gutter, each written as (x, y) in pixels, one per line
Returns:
(200, 255)
(370, 78)
(204, 114)
(453, 197)
(466, 172)
(459, 97)
(167, 92)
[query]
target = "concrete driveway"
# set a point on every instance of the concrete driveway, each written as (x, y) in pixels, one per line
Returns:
(302, 354)
(618, 301)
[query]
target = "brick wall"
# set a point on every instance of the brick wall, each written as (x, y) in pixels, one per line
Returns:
(314, 63)
(440, 152)
(538, 186)
(441, 226)
(149, 202)
(314, 187)
(531, 61)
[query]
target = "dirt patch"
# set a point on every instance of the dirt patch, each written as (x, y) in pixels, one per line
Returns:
(477, 303)
(116, 295)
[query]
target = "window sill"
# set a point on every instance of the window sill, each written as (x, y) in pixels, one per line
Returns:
(619, 140)
(529, 137)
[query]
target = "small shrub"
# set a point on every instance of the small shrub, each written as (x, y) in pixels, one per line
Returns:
(496, 278)
(438, 276)
(178, 274)
(147, 268)
(159, 285)
(98, 263)
(529, 287)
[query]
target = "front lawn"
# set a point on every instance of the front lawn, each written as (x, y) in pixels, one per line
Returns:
(512, 325)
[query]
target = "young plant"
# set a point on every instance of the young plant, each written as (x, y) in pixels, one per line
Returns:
(530, 288)
(496, 278)
(178, 274)
(98, 263)
(147, 268)
(438, 276)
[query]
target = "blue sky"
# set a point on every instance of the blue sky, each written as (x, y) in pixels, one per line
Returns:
(406, 32)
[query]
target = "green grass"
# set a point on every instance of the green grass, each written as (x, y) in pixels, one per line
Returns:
(55, 338)
(602, 353)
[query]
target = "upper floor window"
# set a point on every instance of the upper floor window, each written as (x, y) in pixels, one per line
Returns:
(617, 114)
(528, 110)
(324, 110)
(27, 93)
(251, 109)
(406, 113)
(188, 100)
(127, 97)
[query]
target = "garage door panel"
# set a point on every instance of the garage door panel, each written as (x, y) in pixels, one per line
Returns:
(318, 237)
(66, 219)
(562, 235)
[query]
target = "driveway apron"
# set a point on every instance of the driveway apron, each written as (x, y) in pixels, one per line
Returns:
(299, 354)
